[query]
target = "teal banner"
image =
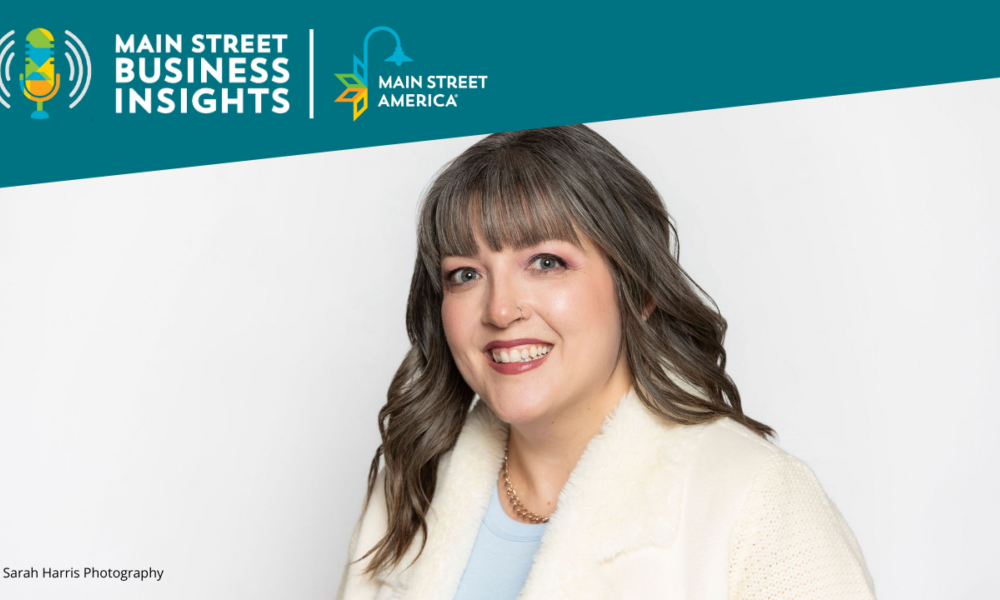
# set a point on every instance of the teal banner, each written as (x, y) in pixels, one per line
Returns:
(98, 89)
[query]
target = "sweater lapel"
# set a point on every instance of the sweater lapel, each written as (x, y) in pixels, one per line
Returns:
(621, 496)
(465, 485)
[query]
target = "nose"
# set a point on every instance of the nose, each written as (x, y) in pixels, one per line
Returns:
(503, 303)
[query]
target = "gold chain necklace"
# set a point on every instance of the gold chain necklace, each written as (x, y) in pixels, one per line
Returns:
(519, 508)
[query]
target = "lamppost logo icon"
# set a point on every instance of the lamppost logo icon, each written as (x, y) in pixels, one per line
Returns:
(357, 82)
(39, 82)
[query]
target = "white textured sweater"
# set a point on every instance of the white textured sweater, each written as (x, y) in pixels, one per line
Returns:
(651, 510)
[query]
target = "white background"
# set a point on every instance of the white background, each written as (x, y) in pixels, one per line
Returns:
(191, 361)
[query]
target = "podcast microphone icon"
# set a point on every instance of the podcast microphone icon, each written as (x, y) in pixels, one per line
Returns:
(39, 82)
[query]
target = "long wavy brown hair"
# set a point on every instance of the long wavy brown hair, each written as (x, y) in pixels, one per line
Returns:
(518, 189)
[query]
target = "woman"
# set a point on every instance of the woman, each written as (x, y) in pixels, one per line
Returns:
(545, 288)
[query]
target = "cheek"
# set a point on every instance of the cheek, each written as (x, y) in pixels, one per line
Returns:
(456, 318)
(587, 314)
(450, 320)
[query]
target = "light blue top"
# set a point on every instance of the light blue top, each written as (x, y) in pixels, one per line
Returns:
(501, 556)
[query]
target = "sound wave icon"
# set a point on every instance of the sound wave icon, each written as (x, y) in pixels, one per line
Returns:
(78, 63)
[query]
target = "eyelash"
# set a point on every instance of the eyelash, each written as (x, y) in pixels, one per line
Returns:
(450, 278)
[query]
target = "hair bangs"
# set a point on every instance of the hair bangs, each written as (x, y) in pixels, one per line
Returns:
(510, 202)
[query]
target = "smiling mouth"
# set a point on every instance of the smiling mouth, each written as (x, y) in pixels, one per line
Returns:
(520, 354)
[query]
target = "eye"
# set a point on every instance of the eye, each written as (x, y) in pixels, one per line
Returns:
(547, 262)
(463, 275)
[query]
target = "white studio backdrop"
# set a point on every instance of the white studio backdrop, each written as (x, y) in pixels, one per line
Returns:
(192, 361)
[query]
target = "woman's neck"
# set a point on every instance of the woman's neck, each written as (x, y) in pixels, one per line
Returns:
(542, 454)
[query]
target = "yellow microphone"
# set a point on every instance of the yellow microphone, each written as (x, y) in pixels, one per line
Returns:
(39, 82)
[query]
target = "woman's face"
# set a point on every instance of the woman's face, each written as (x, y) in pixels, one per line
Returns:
(533, 331)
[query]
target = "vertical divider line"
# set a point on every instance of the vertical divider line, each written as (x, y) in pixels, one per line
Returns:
(311, 87)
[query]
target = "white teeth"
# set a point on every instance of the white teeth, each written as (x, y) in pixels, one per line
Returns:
(508, 355)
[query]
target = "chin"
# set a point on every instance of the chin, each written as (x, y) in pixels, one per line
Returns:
(523, 404)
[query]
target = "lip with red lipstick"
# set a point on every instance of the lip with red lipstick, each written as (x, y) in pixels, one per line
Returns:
(530, 352)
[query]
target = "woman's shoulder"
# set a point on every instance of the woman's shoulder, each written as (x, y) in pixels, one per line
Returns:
(727, 461)
(724, 457)
(730, 457)
(782, 530)
(725, 442)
